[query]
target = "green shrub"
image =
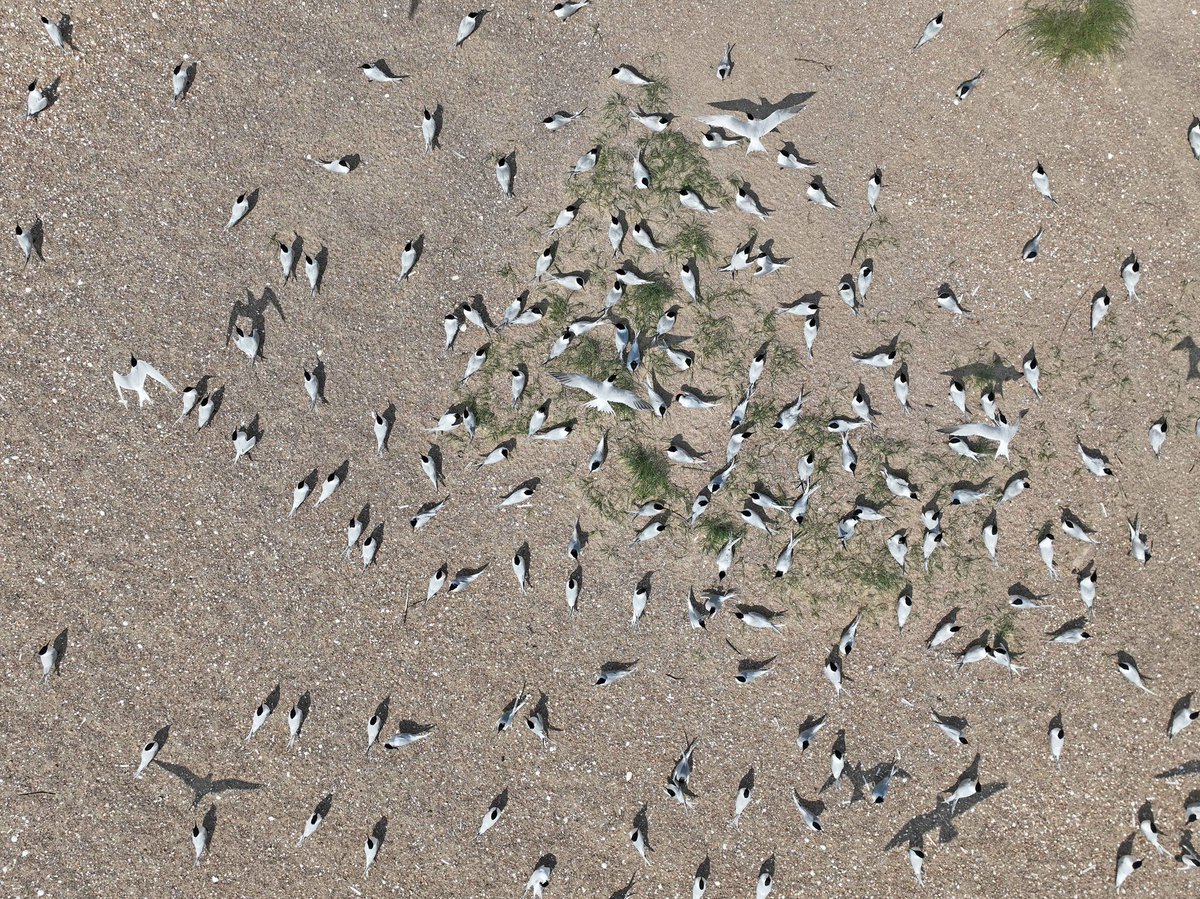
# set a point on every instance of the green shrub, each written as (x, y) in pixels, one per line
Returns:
(1068, 31)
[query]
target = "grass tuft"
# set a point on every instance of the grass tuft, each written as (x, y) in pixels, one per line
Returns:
(588, 357)
(649, 471)
(694, 241)
(716, 531)
(1070, 31)
(675, 162)
(645, 304)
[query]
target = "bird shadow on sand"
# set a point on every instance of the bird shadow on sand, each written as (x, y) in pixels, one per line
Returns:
(862, 780)
(37, 235)
(626, 891)
(998, 371)
(254, 429)
(1189, 346)
(641, 821)
(210, 823)
(941, 818)
(206, 785)
(189, 78)
(389, 417)
(382, 710)
(67, 29)
(60, 650)
(324, 806)
(255, 309)
(379, 831)
(161, 736)
(50, 92)
(1183, 770)
(763, 107)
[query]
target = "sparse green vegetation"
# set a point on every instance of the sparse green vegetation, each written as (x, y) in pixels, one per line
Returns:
(759, 414)
(716, 531)
(1004, 628)
(645, 304)
(1069, 31)
(657, 96)
(614, 114)
(605, 186)
(873, 239)
(693, 241)
(559, 309)
(649, 472)
(714, 336)
(675, 162)
(588, 357)
(879, 574)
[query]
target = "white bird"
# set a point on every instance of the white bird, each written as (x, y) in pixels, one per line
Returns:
(1131, 273)
(25, 242)
(249, 343)
(54, 32)
(725, 67)
(35, 100)
(467, 26)
(374, 72)
(243, 442)
(628, 75)
(287, 259)
(135, 380)
(205, 410)
(564, 11)
(604, 393)
(916, 858)
(1042, 182)
(1126, 865)
(751, 127)
(932, 29)
(429, 129)
(689, 199)
(241, 206)
(370, 853)
(149, 751)
(312, 271)
(179, 83)
(310, 827)
(748, 203)
(1100, 303)
(199, 841)
(816, 193)
(504, 175)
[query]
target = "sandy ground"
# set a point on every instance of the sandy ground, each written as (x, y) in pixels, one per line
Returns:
(188, 594)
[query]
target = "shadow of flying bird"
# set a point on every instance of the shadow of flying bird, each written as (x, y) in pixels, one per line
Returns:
(205, 786)
(763, 107)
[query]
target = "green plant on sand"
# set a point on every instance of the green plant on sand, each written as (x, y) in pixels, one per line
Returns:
(1068, 31)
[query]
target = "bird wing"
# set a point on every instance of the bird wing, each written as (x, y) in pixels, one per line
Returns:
(628, 398)
(975, 429)
(579, 382)
(740, 127)
(777, 118)
(155, 374)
